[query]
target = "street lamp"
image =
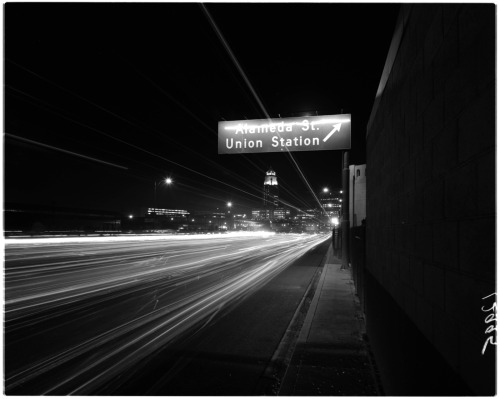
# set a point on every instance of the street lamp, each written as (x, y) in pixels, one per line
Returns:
(325, 190)
(229, 217)
(167, 181)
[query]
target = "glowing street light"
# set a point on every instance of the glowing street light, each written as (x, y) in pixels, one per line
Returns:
(325, 190)
(229, 216)
(335, 221)
(168, 181)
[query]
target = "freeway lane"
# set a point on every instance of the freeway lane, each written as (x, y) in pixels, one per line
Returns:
(243, 353)
(80, 313)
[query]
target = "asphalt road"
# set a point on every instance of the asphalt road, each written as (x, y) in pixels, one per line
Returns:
(161, 316)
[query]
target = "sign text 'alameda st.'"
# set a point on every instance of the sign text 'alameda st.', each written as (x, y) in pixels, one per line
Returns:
(311, 133)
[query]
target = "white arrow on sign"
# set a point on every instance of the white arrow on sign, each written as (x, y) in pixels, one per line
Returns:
(336, 128)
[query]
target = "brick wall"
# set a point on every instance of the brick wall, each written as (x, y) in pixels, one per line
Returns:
(431, 192)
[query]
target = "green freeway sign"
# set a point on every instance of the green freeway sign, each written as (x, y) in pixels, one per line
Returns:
(311, 133)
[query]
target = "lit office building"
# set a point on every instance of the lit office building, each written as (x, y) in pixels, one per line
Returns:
(281, 213)
(261, 214)
(331, 201)
(204, 221)
(173, 213)
(307, 220)
(309, 214)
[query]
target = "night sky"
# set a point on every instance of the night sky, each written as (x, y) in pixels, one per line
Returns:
(133, 93)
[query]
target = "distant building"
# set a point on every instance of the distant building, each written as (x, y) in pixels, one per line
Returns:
(331, 201)
(271, 214)
(309, 214)
(158, 219)
(204, 221)
(271, 190)
(357, 194)
(261, 214)
(271, 209)
(173, 213)
(308, 220)
(281, 213)
(245, 222)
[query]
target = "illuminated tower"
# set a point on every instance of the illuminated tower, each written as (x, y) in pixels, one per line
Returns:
(271, 190)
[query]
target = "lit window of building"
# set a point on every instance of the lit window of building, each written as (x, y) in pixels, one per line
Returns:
(168, 212)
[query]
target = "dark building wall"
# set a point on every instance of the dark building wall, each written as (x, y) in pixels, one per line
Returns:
(430, 236)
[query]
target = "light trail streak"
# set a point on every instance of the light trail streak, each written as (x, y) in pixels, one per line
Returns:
(116, 138)
(257, 98)
(102, 318)
(127, 238)
(99, 131)
(51, 147)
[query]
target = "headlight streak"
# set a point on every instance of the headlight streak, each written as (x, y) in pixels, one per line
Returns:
(162, 301)
(105, 284)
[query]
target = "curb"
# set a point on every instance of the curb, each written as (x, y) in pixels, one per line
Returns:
(277, 368)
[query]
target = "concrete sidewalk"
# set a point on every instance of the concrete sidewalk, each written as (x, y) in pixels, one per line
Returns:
(331, 358)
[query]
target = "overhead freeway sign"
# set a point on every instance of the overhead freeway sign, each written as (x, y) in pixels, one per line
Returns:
(311, 133)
